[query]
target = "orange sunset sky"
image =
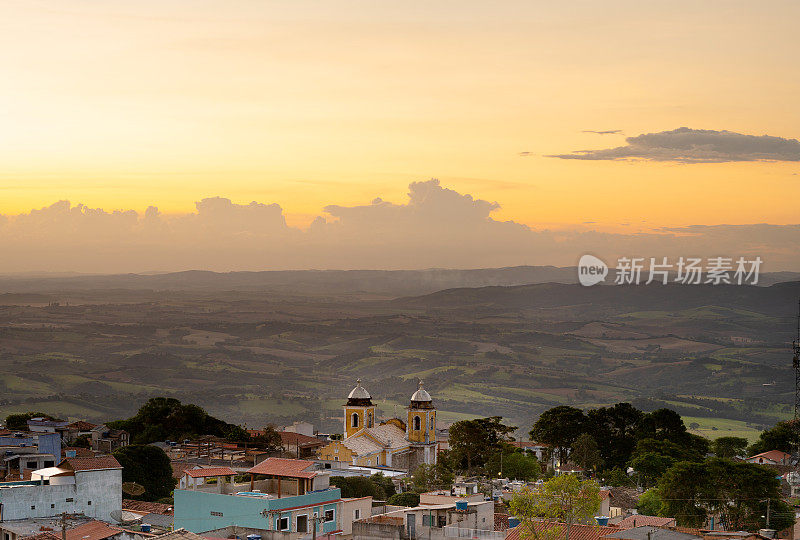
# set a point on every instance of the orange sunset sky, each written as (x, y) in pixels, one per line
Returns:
(122, 105)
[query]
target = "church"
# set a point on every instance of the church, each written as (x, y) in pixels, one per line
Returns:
(393, 443)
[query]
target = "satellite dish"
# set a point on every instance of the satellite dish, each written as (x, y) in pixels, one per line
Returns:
(132, 488)
(117, 516)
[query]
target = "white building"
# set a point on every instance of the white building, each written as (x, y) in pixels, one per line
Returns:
(88, 486)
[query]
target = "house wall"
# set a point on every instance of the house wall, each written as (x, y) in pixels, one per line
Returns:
(193, 510)
(349, 506)
(336, 451)
(94, 493)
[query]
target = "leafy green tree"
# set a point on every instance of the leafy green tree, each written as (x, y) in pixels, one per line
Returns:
(663, 424)
(738, 490)
(651, 466)
(237, 434)
(383, 484)
(19, 422)
(429, 477)
(472, 442)
(559, 427)
(356, 486)
(148, 466)
(269, 439)
(650, 503)
(408, 498)
(614, 428)
(729, 447)
(515, 465)
(781, 437)
(586, 453)
(565, 499)
(616, 477)
(667, 448)
(163, 418)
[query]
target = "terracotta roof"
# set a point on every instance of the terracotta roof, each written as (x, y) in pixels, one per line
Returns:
(91, 463)
(46, 535)
(94, 530)
(500, 522)
(773, 455)
(641, 521)
(287, 438)
(210, 471)
(147, 507)
(79, 451)
(605, 494)
(179, 466)
(180, 534)
(81, 425)
(288, 468)
(576, 532)
(624, 497)
(528, 444)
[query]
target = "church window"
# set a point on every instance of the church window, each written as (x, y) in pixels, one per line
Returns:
(355, 420)
(417, 423)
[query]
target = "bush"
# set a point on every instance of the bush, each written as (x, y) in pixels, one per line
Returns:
(408, 498)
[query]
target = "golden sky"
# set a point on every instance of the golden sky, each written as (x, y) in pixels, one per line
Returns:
(122, 105)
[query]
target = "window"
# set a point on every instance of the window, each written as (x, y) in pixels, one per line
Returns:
(354, 421)
(283, 524)
(335, 458)
(330, 515)
(33, 507)
(52, 505)
(433, 422)
(417, 423)
(426, 520)
(302, 524)
(216, 514)
(31, 465)
(89, 503)
(70, 499)
(49, 463)
(369, 419)
(356, 514)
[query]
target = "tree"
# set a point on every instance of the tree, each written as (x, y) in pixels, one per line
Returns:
(585, 452)
(663, 424)
(729, 447)
(163, 418)
(428, 477)
(564, 499)
(148, 466)
(651, 466)
(472, 442)
(650, 503)
(383, 485)
(19, 422)
(781, 437)
(616, 477)
(614, 428)
(237, 434)
(269, 439)
(559, 427)
(515, 465)
(738, 490)
(408, 498)
(694, 426)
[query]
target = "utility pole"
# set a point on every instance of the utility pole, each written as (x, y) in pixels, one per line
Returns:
(63, 526)
(768, 501)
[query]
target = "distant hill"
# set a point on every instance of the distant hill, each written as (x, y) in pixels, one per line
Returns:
(778, 300)
(383, 283)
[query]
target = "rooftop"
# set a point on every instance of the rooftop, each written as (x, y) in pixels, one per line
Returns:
(640, 520)
(650, 533)
(576, 532)
(93, 530)
(209, 472)
(98, 463)
(286, 468)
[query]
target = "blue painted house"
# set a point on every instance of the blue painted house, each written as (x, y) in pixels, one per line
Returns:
(286, 495)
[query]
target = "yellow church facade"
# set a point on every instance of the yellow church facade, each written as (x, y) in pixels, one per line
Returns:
(391, 443)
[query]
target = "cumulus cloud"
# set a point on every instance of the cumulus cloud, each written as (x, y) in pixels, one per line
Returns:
(435, 227)
(686, 145)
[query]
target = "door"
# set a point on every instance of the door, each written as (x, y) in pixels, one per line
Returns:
(302, 524)
(411, 525)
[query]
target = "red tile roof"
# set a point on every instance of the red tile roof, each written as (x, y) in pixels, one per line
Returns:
(288, 438)
(640, 521)
(147, 507)
(94, 530)
(79, 451)
(501, 522)
(46, 535)
(91, 463)
(81, 425)
(287, 468)
(576, 532)
(605, 494)
(210, 471)
(773, 455)
(179, 466)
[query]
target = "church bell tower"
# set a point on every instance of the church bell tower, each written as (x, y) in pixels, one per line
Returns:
(359, 412)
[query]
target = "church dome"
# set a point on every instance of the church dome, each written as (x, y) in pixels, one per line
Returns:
(359, 395)
(421, 398)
